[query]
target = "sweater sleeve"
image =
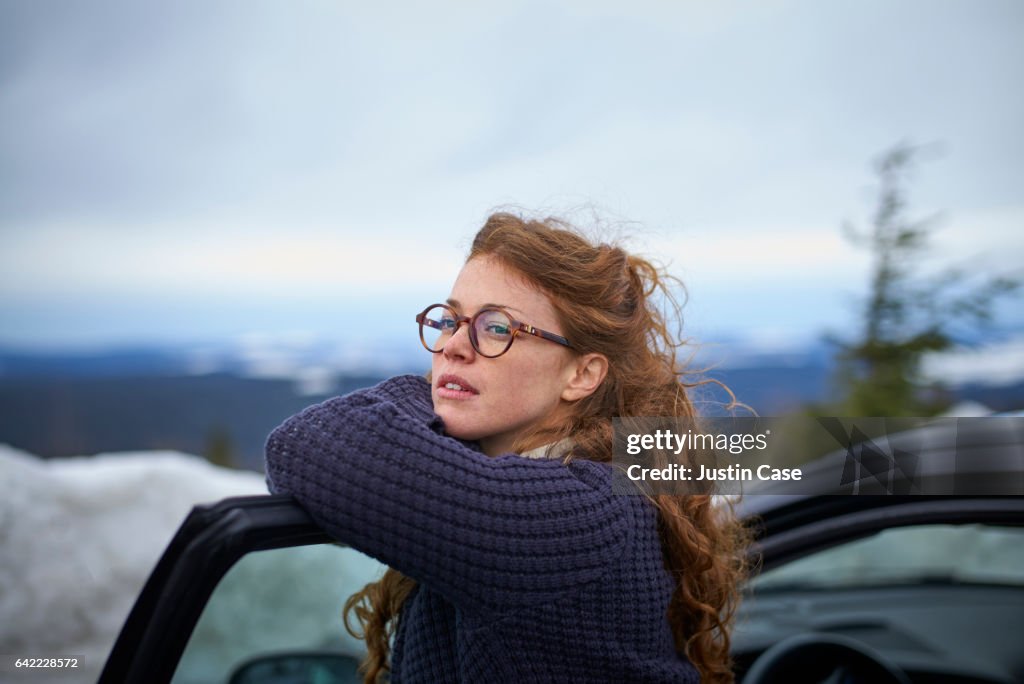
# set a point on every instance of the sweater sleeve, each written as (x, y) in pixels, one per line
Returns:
(375, 470)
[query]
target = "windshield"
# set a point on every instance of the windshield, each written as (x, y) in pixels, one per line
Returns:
(954, 554)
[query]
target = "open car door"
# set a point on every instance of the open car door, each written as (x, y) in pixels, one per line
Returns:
(229, 596)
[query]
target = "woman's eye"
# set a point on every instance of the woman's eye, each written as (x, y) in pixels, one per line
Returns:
(498, 329)
(447, 324)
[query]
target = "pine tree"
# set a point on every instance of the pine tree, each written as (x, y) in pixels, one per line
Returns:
(905, 316)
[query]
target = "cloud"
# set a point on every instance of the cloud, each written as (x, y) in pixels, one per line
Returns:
(999, 363)
(194, 149)
(237, 261)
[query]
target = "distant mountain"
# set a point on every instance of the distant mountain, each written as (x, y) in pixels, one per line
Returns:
(773, 390)
(314, 367)
(93, 364)
(223, 402)
(222, 416)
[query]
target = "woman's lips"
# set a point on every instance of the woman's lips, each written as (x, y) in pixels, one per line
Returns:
(453, 387)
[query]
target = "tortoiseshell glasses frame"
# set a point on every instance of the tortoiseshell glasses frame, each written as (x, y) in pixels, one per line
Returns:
(492, 330)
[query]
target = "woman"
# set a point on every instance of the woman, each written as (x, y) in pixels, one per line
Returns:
(487, 489)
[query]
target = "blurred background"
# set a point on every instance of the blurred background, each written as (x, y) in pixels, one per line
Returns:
(215, 213)
(212, 214)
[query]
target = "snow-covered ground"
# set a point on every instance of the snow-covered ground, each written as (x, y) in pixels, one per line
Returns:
(79, 537)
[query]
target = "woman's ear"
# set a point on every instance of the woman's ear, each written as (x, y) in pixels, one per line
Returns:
(585, 375)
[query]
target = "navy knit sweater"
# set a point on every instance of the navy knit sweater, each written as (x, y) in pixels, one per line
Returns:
(529, 570)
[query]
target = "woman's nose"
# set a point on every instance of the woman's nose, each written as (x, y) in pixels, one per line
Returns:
(459, 346)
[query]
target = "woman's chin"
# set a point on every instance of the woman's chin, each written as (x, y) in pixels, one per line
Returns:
(455, 426)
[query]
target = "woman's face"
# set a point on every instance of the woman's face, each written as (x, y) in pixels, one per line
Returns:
(501, 397)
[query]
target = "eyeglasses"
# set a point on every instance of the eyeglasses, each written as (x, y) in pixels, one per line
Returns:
(491, 330)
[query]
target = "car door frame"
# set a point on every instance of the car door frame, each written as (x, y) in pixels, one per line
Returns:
(212, 538)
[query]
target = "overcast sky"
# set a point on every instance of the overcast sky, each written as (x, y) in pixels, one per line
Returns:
(199, 170)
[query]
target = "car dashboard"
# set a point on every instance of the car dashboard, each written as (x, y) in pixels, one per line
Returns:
(935, 632)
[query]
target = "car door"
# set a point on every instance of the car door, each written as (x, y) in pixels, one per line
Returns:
(241, 579)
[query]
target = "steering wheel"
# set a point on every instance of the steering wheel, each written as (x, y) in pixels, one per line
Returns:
(823, 659)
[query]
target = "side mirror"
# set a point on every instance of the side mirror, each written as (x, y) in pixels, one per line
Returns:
(298, 668)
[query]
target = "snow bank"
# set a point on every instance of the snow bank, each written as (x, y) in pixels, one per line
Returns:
(78, 538)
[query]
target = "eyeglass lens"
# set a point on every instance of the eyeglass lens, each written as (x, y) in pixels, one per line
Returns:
(491, 333)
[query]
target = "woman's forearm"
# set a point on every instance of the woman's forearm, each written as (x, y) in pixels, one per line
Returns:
(374, 469)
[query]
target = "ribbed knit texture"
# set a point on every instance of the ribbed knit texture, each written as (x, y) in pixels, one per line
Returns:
(528, 569)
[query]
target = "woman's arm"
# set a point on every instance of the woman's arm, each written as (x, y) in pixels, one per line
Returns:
(373, 469)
